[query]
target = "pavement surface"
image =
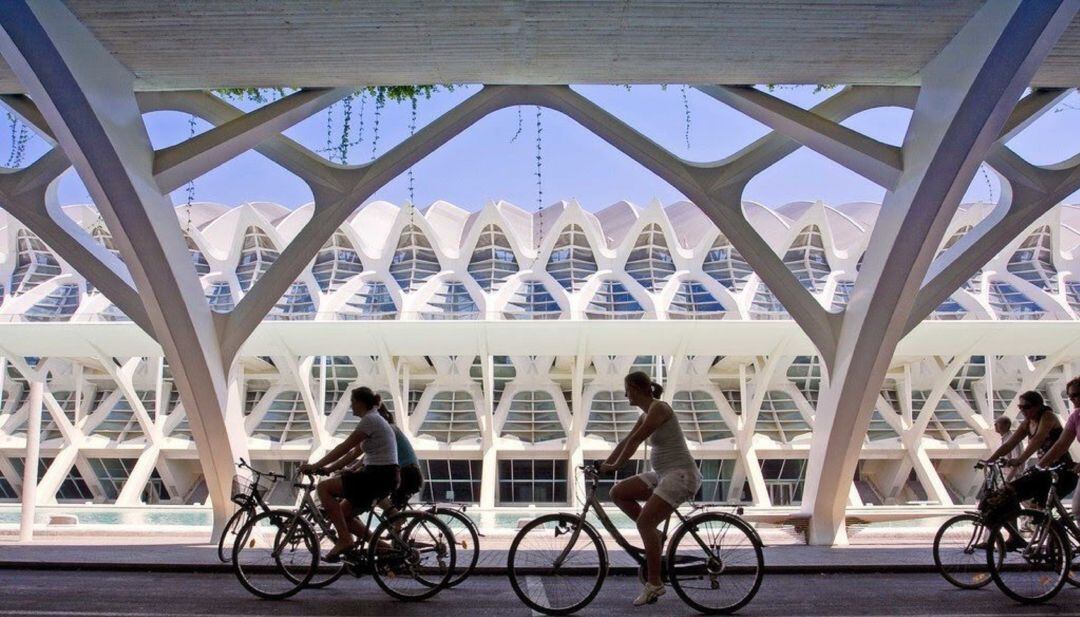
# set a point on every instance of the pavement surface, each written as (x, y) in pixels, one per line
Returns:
(126, 594)
(886, 552)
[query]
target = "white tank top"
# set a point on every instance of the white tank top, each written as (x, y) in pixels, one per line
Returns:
(669, 449)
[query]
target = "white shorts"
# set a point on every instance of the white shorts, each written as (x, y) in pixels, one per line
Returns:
(676, 486)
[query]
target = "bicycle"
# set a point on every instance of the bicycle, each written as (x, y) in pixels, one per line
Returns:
(248, 494)
(558, 562)
(1038, 571)
(411, 555)
(465, 533)
(961, 541)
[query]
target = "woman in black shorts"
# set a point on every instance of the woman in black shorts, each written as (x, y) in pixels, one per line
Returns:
(412, 479)
(359, 490)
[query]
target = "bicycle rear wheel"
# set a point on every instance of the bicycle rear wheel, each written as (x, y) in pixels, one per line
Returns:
(466, 541)
(412, 555)
(228, 534)
(715, 562)
(327, 573)
(1036, 572)
(960, 551)
(541, 580)
(275, 554)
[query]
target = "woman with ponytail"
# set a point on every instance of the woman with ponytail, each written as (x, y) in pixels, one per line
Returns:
(358, 490)
(673, 480)
(412, 479)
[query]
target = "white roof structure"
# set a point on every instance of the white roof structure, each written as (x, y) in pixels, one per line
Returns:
(680, 302)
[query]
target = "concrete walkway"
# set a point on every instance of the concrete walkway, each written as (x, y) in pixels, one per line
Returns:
(188, 550)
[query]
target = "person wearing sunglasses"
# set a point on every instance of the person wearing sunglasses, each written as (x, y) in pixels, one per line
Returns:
(1070, 433)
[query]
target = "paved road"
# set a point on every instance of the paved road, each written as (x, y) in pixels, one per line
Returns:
(117, 594)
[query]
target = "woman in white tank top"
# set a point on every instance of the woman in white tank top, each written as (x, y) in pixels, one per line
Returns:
(673, 480)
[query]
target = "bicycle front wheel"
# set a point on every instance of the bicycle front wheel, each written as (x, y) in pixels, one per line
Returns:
(275, 554)
(557, 564)
(228, 534)
(1034, 569)
(960, 551)
(715, 562)
(412, 555)
(466, 541)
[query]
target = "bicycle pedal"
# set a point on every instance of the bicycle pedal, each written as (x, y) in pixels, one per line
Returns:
(465, 544)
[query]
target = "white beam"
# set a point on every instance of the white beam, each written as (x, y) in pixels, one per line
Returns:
(876, 161)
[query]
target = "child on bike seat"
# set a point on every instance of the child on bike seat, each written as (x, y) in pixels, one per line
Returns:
(358, 490)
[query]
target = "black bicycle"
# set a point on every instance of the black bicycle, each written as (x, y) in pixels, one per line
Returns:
(961, 541)
(248, 494)
(411, 555)
(558, 562)
(1038, 570)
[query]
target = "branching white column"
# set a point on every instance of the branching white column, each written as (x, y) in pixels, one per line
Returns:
(967, 95)
(30, 465)
(86, 97)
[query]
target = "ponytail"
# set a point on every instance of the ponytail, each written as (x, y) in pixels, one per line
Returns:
(385, 413)
(644, 383)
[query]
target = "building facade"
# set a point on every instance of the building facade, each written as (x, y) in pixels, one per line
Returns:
(500, 339)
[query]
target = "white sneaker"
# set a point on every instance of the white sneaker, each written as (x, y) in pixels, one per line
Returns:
(649, 593)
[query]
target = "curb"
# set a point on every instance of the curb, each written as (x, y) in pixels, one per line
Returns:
(220, 568)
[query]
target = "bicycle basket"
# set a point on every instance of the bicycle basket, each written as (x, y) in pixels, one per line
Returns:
(242, 487)
(999, 505)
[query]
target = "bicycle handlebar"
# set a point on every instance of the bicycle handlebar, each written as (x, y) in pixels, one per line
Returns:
(269, 474)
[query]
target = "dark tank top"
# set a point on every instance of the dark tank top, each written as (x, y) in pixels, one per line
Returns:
(1051, 439)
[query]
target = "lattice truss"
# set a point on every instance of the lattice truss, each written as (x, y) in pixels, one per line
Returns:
(330, 262)
(115, 431)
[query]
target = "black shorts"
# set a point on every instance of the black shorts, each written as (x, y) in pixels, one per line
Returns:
(370, 484)
(412, 480)
(1034, 485)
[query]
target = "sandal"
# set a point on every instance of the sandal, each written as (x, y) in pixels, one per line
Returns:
(335, 554)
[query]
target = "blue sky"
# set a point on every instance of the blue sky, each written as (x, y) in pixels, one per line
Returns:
(486, 162)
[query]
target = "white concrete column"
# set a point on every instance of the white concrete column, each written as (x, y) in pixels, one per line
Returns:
(86, 97)
(131, 493)
(968, 92)
(33, 456)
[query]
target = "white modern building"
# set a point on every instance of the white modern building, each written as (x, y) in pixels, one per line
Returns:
(481, 329)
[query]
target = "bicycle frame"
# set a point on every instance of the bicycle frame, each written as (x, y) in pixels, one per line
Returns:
(308, 507)
(593, 502)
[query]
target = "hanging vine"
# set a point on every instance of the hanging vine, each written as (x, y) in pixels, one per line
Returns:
(380, 102)
(517, 133)
(329, 128)
(989, 185)
(20, 135)
(539, 157)
(343, 144)
(686, 115)
(191, 184)
(412, 131)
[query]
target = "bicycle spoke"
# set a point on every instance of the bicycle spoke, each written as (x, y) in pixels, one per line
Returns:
(275, 555)
(960, 552)
(413, 555)
(717, 565)
(551, 572)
